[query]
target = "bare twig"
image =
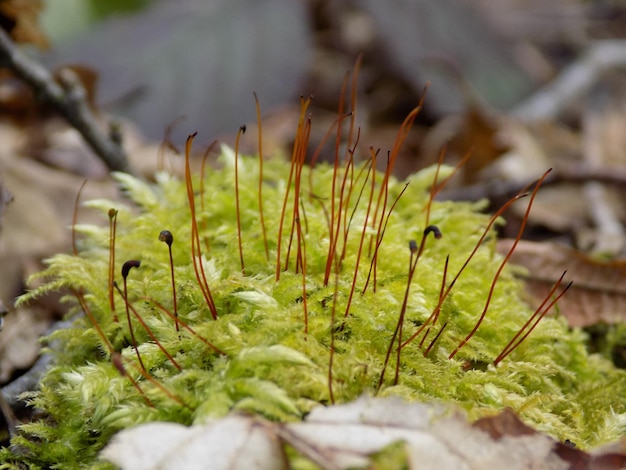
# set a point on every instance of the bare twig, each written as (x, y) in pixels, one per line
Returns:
(610, 235)
(496, 188)
(573, 82)
(68, 98)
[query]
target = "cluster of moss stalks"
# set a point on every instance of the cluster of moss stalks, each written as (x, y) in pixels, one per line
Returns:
(268, 350)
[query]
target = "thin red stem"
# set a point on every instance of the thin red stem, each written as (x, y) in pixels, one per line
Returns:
(167, 237)
(125, 269)
(333, 315)
(501, 267)
(148, 330)
(442, 298)
(296, 219)
(83, 304)
(441, 293)
(400, 138)
(397, 332)
(118, 363)
(161, 387)
(379, 238)
(304, 104)
(187, 327)
(241, 130)
(537, 316)
(432, 343)
(371, 170)
(319, 149)
(260, 190)
(112, 236)
(196, 251)
(205, 157)
(334, 238)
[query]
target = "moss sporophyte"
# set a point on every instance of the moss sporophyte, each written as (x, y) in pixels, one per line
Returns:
(274, 287)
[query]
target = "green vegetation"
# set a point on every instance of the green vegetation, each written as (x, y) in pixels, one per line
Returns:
(268, 364)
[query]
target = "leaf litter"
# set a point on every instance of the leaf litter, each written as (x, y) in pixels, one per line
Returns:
(349, 436)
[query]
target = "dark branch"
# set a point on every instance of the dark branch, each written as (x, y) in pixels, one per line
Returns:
(68, 98)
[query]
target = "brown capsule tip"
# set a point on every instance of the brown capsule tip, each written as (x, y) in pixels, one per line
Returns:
(112, 213)
(413, 246)
(128, 265)
(167, 237)
(243, 129)
(116, 359)
(434, 230)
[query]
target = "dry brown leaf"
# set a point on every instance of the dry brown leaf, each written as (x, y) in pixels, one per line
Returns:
(19, 18)
(478, 131)
(505, 424)
(599, 290)
(508, 424)
(34, 227)
(478, 135)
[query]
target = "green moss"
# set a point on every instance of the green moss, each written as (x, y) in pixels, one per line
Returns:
(271, 367)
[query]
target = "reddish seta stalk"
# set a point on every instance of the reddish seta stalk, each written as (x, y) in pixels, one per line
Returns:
(501, 267)
(203, 222)
(300, 136)
(167, 237)
(379, 239)
(196, 250)
(187, 327)
(416, 253)
(126, 267)
(260, 188)
(301, 244)
(535, 318)
(442, 298)
(112, 235)
(242, 130)
(372, 171)
(381, 202)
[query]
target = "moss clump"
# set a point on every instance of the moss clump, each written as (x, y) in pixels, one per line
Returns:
(270, 366)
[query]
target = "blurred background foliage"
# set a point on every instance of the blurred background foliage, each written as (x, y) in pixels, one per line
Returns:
(64, 19)
(158, 60)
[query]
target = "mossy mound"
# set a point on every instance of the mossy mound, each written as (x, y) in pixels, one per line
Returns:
(269, 365)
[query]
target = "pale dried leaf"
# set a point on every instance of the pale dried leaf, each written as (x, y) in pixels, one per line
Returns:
(345, 436)
(235, 442)
(599, 290)
(508, 424)
(350, 436)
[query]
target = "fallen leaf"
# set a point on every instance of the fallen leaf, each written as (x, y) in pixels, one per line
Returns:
(34, 227)
(508, 424)
(476, 131)
(234, 442)
(20, 19)
(599, 290)
(335, 437)
(345, 436)
(505, 424)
